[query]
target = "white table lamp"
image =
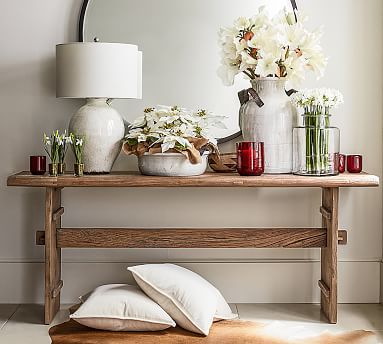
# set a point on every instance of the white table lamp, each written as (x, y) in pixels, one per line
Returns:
(98, 72)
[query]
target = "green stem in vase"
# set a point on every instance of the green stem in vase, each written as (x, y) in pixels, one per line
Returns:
(317, 141)
(317, 144)
(324, 149)
(327, 139)
(322, 141)
(312, 144)
(308, 142)
(308, 150)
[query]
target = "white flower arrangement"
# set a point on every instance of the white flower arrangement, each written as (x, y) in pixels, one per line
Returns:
(51, 146)
(167, 128)
(77, 143)
(264, 46)
(56, 146)
(317, 104)
(317, 99)
(63, 140)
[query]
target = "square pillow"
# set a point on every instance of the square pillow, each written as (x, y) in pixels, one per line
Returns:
(188, 298)
(122, 307)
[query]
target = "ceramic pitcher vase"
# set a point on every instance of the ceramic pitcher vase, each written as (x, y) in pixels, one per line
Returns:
(268, 116)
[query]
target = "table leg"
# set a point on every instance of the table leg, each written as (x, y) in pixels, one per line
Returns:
(53, 283)
(329, 259)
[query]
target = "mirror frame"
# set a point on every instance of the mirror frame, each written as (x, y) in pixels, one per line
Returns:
(81, 28)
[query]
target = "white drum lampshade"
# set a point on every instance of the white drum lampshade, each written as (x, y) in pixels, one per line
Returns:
(98, 72)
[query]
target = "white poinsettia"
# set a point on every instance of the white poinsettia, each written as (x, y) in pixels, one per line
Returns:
(139, 122)
(264, 46)
(172, 127)
(170, 142)
(138, 134)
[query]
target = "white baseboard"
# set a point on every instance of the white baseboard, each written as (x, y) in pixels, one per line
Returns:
(241, 282)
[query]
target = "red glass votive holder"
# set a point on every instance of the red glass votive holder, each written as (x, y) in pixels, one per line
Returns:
(250, 158)
(354, 163)
(38, 165)
(341, 163)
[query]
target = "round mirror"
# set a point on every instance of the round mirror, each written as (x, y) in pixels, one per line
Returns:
(179, 40)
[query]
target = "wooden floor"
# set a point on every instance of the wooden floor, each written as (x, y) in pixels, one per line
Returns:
(21, 324)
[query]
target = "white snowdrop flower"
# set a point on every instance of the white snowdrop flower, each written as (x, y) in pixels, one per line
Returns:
(318, 98)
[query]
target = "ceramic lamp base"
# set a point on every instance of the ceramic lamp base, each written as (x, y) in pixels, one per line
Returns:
(103, 129)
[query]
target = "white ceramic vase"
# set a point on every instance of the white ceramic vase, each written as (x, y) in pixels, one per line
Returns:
(103, 130)
(171, 165)
(272, 123)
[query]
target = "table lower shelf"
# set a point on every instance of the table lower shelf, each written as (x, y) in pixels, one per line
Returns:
(192, 238)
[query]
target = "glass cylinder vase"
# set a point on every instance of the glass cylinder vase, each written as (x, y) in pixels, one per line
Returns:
(316, 146)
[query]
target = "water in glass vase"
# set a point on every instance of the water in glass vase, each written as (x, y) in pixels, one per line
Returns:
(316, 146)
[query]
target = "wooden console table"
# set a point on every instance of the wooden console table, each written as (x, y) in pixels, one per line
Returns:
(326, 237)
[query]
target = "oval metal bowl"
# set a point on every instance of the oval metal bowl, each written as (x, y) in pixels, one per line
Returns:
(171, 165)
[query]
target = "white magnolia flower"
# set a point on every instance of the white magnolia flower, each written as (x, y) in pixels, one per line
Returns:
(247, 61)
(240, 48)
(79, 142)
(261, 19)
(251, 46)
(242, 22)
(296, 36)
(317, 63)
(227, 74)
(267, 66)
(267, 37)
(295, 69)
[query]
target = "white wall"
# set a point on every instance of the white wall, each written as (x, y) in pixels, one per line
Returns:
(353, 39)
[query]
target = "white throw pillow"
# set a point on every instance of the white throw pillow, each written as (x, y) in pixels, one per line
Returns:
(122, 307)
(188, 298)
(223, 311)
